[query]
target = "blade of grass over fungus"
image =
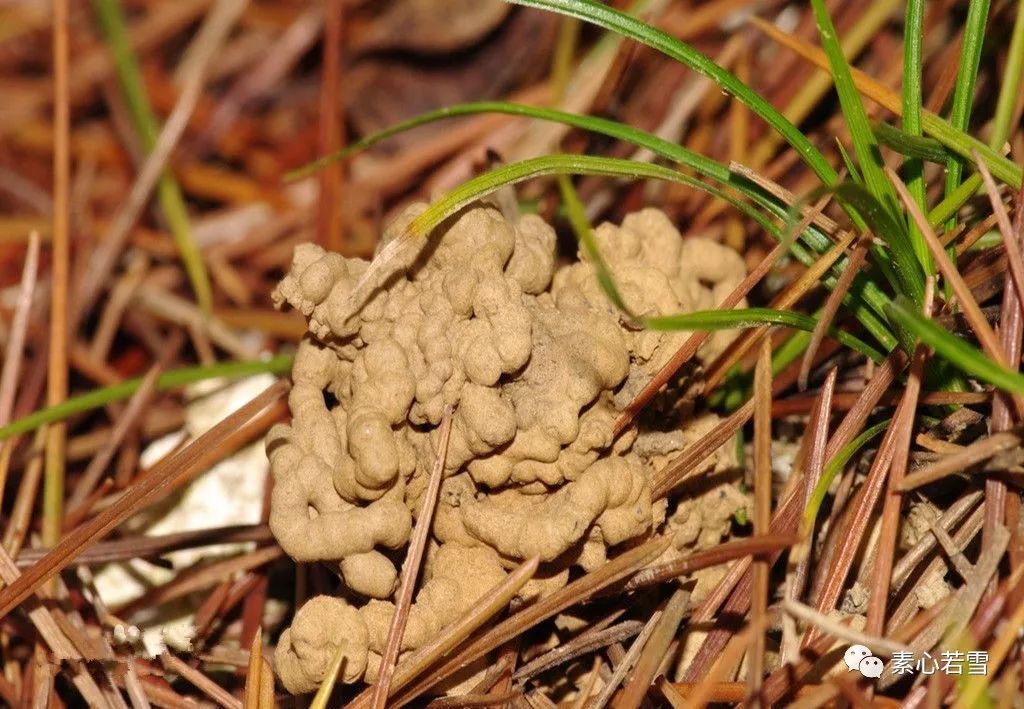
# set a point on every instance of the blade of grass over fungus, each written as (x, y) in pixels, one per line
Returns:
(482, 185)
(754, 317)
(323, 693)
(913, 100)
(585, 235)
(118, 392)
(958, 352)
(687, 350)
(853, 110)
(172, 203)
(966, 79)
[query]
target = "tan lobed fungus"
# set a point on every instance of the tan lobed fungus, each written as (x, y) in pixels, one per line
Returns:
(536, 363)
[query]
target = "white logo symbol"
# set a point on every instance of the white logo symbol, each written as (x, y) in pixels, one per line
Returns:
(871, 666)
(859, 658)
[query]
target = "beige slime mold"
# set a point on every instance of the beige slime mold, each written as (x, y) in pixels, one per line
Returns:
(535, 362)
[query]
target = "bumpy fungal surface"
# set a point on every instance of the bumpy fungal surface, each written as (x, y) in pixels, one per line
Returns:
(536, 364)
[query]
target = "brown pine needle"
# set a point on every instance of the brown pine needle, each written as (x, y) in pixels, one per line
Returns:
(828, 313)
(133, 686)
(721, 554)
(198, 578)
(681, 467)
(722, 667)
(627, 662)
(879, 645)
(19, 326)
(495, 601)
(60, 645)
(143, 547)
(1000, 507)
(126, 421)
(267, 699)
(950, 517)
(856, 519)
(166, 474)
(479, 700)
(893, 502)
(959, 462)
(582, 644)
(815, 441)
(1013, 255)
(329, 214)
(410, 570)
(24, 502)
(654, 651)
(57, 371)
(846, 401)
(853, 423)
(210, 688)
(867, 85)
(251, 696)
(762, 516)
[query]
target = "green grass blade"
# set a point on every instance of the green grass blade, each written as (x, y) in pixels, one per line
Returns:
(964, 145)
(851, 166)
(951, 204)
(913, 100)
(834, 466)
(864, 142)
(913, 146)
(708, 320)
(514, 173)
(908, 275)
(117, 392)
(1009, 90)
(966, 79)
(1001, 168)
(585, 235)
(636, 29)
(968, 359)
(172, 203)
